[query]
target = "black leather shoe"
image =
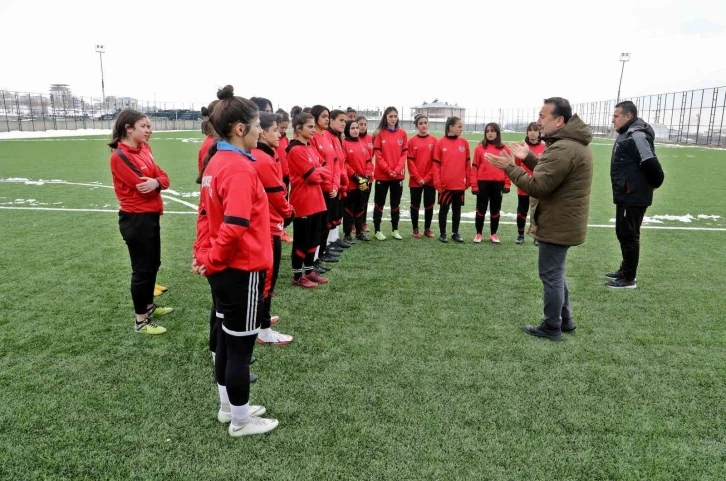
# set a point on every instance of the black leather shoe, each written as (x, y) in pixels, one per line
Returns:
(568, 326)
(253, 377)
(329, 258)
(334, 248)
(457, 238)
(443, 238)
(322, 267)
(363, 237)
(542, 331)
(343, 244)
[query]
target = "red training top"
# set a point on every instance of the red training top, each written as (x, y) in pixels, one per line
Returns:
(481, 169)
(420, 157)
(128, 165)
(237, 214)
(203, 150)
(451, 164)
(390, 147)
(357, 161)
(268, 169)
(306, 179)
(323, 142)
(282, 155)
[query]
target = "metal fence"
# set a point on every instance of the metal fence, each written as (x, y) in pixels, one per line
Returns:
(689, 117)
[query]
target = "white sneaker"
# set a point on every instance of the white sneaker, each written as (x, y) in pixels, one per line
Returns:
(276, 338)
(253, 425)
(226, 416)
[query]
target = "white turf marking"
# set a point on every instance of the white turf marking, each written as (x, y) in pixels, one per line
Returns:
(59, 209)
(16, 180)
(716, 229)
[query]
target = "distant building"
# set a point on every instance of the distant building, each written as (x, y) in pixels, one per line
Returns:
(120, 103)
(437, 110)
(61, 97)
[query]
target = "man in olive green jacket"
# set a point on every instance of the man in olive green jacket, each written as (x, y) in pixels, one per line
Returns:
(560, 181)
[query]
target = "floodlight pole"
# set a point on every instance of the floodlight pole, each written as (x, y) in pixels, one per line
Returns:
(624, 57)
(101, 50)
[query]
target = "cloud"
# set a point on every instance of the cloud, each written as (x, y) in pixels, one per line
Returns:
(702, 27)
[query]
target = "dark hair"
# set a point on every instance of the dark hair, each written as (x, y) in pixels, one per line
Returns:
(296, 110)
(351, 110)
(335, 114)
(261, 103)
(348, 123)
(300, 119)
(533, 126)
(359, 118)
(229, 111)
(206, 112)
(450, 122)
(127, 118)
(498, 140)
(384, 122)
(267, 119)
(628, 107)
(419, 117)
(282, 116)
(317, 111)
(562, 108)
(307, 110)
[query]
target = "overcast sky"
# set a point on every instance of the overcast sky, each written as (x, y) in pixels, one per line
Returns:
(489, 54)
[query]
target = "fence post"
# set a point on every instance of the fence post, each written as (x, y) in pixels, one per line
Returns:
(5, 109)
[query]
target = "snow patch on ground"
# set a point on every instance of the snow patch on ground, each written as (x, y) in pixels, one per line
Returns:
(686, 219)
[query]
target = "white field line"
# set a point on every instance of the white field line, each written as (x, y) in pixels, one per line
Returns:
(598, 226)
(59, 209)
(164, 196)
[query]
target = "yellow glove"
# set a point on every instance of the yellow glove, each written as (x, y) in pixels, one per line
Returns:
(362, 184)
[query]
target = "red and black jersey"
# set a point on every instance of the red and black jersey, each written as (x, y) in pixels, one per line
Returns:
(201, 243)
(282, 155)
(340, 155)
(420, 156)
(357, 161)
(268, 169)
(203, 151)
(451, 164)
(328, 153)
(482, 169)
(537, 150)
(306, 179)
(390, 148)
(367, 139)
(128, 166)
(237, 214)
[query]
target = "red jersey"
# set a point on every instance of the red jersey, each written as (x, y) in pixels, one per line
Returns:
(201, 243)
(203, 150)
(537, 150)
(451, 164)
(368, 140)
(306, 179)
(390, 147)
(128, 165)
(282, 155)
(237, 214)
(420, 157)
(340, 155)
(357, 161)
(481, 169)
(268, 169)
(328, 153)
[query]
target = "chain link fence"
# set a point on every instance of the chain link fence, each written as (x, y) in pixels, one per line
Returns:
(688, 117)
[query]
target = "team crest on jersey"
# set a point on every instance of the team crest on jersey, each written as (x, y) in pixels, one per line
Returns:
(462, 149)
(431, 146)
(365, 151)
(445, 149)
(400, 141)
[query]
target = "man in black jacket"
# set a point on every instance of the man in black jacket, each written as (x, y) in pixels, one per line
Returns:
(635, 173)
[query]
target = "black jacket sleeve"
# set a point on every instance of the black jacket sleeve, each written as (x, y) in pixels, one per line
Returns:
(649, 163)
